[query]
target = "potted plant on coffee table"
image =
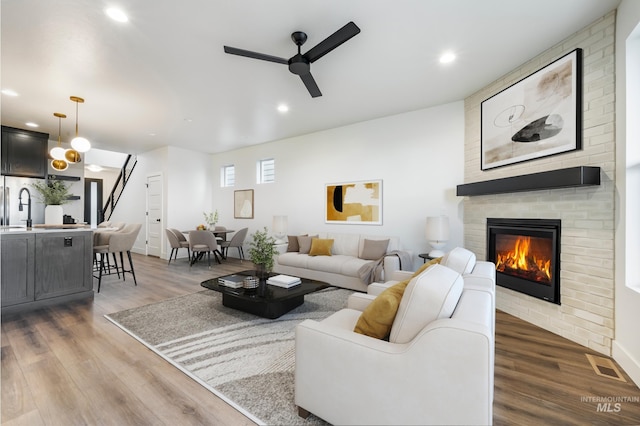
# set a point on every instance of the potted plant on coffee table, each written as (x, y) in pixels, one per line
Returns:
(261, 252)
(53, 194)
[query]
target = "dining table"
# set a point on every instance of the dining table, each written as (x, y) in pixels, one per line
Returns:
(221, 235)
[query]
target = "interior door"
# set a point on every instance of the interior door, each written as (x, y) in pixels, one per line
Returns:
(154, 215)
(93, 201)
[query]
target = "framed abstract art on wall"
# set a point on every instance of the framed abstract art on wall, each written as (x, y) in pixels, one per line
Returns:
(243, 204)
(538, 116)
(354, 202)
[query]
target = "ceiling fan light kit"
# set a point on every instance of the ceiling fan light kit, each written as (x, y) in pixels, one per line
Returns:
(300, 64)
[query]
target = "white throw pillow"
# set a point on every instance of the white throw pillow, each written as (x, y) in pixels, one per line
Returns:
(431, 295)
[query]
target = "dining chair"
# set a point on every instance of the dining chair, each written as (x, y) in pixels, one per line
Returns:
(236, 241)
(220, 237)
(201, 242)
(177, 240)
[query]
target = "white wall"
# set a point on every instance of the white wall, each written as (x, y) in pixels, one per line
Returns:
(418, 155)
(187, 186)
(132, 206)
(626, 346)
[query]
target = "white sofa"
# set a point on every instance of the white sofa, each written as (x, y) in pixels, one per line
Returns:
(436, 368)
(345, 265)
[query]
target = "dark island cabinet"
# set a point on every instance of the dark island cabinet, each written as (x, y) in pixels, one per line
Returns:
(41, 268)
(66, 267)
(18, 267)
(24, 153)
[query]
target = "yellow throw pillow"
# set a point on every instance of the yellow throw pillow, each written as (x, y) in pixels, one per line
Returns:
(377, 318)
(426, 265)
(320, 247)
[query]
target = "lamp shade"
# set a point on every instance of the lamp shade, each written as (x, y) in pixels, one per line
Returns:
(80, 144)
(72, 156)
(437, 233)
(57, 153)
(59, 165)
(437, 228)
(280, 228)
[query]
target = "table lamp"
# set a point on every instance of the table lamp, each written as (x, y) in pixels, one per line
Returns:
(437, 233)
(280, 229)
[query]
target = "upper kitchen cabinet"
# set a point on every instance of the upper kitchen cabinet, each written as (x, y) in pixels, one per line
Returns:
(24, 153)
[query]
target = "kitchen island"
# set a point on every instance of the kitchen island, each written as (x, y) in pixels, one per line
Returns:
(43, 266)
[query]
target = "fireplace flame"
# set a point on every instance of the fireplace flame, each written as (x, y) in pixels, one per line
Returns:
(521, 263)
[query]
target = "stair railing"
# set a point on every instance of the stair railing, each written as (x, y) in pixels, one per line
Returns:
(118, 186)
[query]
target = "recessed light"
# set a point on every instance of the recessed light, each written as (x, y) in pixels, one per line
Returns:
(116, 14)
(31, 124)
(447, 57)
(9, 92)
(94, 168)
(283, 108)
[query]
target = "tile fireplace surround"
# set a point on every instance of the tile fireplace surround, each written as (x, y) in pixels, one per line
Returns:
(586, 315)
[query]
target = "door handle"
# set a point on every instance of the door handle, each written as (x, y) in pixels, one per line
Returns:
(157, 220)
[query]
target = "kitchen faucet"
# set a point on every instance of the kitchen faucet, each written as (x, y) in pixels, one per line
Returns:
(29, 221)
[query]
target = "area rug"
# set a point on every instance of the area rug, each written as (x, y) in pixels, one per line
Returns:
(246, 360)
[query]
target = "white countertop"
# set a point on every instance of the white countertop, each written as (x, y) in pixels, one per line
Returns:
(37, 229)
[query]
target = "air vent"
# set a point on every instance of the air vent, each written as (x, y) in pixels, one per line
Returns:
(605, 367)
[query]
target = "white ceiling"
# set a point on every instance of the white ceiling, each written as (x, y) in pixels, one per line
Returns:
(163, 78)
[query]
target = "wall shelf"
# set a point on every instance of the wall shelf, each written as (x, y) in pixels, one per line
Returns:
(63, 177)
(554, 179)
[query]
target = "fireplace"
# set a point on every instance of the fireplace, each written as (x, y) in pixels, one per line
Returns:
(527, 255)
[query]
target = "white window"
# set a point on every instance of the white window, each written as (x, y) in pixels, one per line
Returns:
(227, 175)
(266, 170)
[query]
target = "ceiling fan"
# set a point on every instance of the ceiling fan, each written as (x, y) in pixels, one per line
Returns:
(300, 64)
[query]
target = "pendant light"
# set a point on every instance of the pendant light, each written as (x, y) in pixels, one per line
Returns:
(58, 151)
(59, 162)
(78, 143)
(72, 156)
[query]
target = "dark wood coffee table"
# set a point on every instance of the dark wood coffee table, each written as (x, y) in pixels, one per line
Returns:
(271, 303)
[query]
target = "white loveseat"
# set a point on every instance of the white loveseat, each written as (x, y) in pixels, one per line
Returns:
(345, 266)
(436, 368)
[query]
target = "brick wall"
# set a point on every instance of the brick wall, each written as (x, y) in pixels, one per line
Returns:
(587, 253)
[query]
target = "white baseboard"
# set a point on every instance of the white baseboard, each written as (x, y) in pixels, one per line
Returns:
(630, 365)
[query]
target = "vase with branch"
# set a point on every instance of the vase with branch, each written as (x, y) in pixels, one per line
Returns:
(52, 194)
(211, 219)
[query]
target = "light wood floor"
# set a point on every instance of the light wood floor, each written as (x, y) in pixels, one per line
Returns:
(68, 365)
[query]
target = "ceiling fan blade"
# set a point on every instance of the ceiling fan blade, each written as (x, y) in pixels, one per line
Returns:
(311, 85)
(331, 42)
(255, 55)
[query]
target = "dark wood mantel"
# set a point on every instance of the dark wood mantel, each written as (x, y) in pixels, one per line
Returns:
(554, 179)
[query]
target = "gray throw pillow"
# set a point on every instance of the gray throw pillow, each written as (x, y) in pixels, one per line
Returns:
(374, 249)
(293, 243)
(305, 243)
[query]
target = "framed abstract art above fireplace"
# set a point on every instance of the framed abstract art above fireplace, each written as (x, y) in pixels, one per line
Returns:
(354, 202)
(538, 116)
